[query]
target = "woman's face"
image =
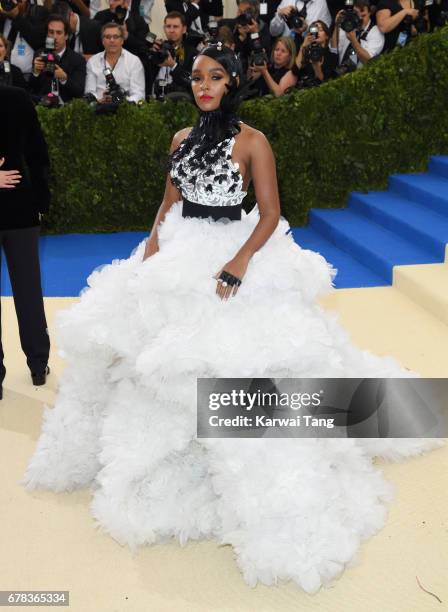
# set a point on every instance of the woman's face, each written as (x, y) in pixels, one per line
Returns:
(322, 38)
(281, 55)
(208, 82)
(2, 50)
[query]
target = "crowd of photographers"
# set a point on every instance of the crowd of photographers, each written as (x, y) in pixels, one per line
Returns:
(71, 49)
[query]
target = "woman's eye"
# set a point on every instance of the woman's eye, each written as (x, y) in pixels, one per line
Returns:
(216, 78)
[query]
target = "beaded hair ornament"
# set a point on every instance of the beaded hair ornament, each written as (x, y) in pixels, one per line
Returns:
(213, 128)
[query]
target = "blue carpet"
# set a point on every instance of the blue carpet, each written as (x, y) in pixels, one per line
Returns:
(67, 260)
(408, 224)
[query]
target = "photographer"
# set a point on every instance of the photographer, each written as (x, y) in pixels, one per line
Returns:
(23, 25)
(399, 20)
(314, 63)
(59, 71)
(195, 18)
(356, 39)
(85, 33)
(282, 60)
(126, 69)
(173, 58)
(9, 74)
(248, 24)
(286, 18)
(135, 27)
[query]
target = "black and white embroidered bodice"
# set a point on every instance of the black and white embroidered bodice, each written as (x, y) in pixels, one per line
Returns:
(214, 181)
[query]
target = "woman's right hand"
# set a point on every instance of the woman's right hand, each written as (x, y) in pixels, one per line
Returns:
(309, 38)
(412, 12)
(8, 178)
(152, 246)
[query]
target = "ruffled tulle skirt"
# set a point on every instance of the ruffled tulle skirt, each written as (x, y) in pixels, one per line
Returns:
(124, 422)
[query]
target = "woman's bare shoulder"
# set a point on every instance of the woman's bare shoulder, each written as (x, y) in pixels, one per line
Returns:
(179, 137)
(252, 136)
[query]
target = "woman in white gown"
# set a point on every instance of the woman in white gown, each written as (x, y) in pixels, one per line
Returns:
(147, 327)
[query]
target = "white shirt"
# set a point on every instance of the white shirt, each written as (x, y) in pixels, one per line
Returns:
(22, 54)
(146, 9)
(315, 9)
(96, 6)
(78, 44)
(373, 44)
(128, 73)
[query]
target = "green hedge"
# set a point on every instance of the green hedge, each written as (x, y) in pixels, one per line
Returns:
(108, 173)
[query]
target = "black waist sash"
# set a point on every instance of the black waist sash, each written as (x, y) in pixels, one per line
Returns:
(192, 209)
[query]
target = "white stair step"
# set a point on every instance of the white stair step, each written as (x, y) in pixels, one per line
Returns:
(427, 285)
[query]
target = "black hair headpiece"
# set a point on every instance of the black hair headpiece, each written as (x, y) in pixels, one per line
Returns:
(213, 127)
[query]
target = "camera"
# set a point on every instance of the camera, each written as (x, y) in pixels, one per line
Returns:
(314, 52)
(114, 90)
(296, 18)
(350, 19)
(419, 22)
(117, 94)
(258, 55)
(307, 81)
(7, 5)
(211, 36)
(246, 18)
(51, 100)
(158, 56)
(5, 74)
(349, 65)
(49, 56)
(120, 15)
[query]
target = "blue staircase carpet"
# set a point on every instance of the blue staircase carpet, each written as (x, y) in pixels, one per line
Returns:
(408, 224)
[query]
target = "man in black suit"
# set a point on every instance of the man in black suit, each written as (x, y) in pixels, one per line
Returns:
(136, 27)
(24, 195)
(70, 73)
(85, 33)
(24, 27)
(175, 71)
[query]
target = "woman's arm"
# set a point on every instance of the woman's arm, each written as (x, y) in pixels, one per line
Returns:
(278, 89)
(171, 195)
(387, 22)
(264, 176)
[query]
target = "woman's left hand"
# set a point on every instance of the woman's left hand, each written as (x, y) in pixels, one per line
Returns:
(237, 267)
(259, 69)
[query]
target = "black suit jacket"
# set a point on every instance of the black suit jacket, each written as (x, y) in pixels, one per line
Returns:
(182, 72)
(136, 26)
(90, 36)
(74, 65)
(23, 146)
(30, 26)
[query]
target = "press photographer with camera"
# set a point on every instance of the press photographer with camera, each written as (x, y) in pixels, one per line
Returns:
(23, 24)
(10, 75)
(251, 35)
(313, 65)
(57, 70)
(400, 20)
(135, 27)
(114, 75)
(195, 18)
(85, 33)
(290, 15)
(282, 60)
(356, 38)
(173, 59)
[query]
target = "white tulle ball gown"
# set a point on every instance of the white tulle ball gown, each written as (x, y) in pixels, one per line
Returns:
(124, 422)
